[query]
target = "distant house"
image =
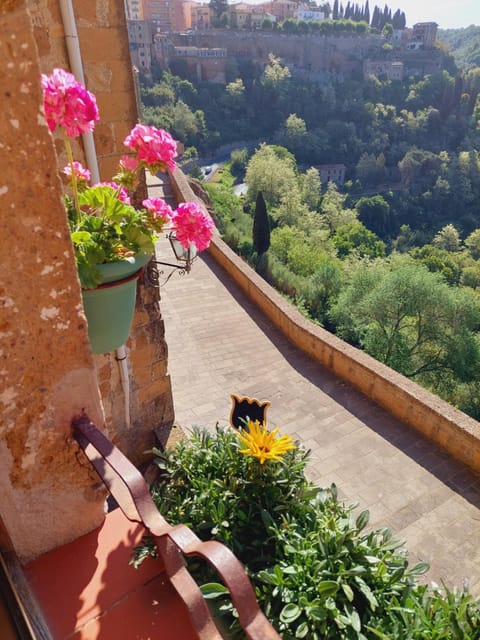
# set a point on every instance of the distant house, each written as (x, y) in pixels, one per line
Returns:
(309, 14)
(281, 9)
(425, 33)
(243, 15)
(140, 40)
(384, 69)
(200, 16)
(332, 173)
(203, 63)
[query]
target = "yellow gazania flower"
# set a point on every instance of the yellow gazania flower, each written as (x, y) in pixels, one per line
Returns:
(262, 444)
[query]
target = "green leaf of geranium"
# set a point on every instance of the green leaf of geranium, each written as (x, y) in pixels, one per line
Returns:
(90, 277)
(140, 239)
(81, 237)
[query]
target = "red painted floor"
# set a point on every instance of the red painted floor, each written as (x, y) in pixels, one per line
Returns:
(88, 591)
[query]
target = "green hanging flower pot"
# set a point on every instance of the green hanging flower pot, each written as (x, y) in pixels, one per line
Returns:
(110, 307)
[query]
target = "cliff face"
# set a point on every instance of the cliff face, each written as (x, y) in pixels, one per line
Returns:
(321, 56)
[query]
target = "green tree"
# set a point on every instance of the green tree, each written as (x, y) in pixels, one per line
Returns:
(472, 242)
(440, 261)
(355, 237)
(411, 320)
(261, 226)
(238, 162)
(447, 238)
(291, 208)
(311, 188)
(332, 211)
(374, 213)
(275, 73)
(271, 174)
(219, 8)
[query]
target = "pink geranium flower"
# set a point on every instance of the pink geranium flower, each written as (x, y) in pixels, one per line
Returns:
(128, 163)
(155, 148)
(158, 208)
(68, 104)
(122, 193)
(81, 172)
(192, 225)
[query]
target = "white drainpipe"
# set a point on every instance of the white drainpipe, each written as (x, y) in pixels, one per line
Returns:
(76, 65)
(121, 358)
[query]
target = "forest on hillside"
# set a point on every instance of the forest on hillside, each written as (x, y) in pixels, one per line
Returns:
(390, 261)
(464, 44)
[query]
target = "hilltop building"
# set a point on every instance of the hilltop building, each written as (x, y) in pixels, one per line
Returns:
(423, 36)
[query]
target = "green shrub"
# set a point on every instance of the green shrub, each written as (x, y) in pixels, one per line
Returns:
(318, 571)
(236, 507)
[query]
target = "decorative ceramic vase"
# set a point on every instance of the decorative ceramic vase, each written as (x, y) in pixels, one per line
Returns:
(110, 307)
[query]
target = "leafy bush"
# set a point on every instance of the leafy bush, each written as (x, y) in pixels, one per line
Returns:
(319, 573)
(237, 507)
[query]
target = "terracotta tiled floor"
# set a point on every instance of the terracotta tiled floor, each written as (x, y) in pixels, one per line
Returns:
(88, 591)
(219, 343)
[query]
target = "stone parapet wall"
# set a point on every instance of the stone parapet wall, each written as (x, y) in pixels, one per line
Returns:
(454, 431)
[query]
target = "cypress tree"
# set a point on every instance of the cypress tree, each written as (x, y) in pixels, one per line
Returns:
(261, 226)
(335, 10)
(366, 13)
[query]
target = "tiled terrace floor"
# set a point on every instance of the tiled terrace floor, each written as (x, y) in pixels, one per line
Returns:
(219, 343)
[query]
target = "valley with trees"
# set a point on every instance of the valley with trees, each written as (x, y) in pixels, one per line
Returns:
(389, 260)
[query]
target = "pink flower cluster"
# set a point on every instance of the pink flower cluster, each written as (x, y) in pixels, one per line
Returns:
(189, 221)
(68, 104)
(192, 225)
(158, 210)
(155, 148)
(80, 171)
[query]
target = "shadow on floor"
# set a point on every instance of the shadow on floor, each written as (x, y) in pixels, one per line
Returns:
(454, 474)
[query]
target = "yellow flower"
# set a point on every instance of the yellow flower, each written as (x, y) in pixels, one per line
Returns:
(263, 445)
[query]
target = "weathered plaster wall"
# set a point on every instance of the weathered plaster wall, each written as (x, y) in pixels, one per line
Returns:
(47, 372)
(46, 369)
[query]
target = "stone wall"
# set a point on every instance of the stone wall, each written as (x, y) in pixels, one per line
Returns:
(317, 53)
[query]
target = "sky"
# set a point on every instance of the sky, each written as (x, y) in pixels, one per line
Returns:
(449, 14)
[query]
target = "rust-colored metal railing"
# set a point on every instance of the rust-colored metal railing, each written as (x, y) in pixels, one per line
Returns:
(129, 489)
